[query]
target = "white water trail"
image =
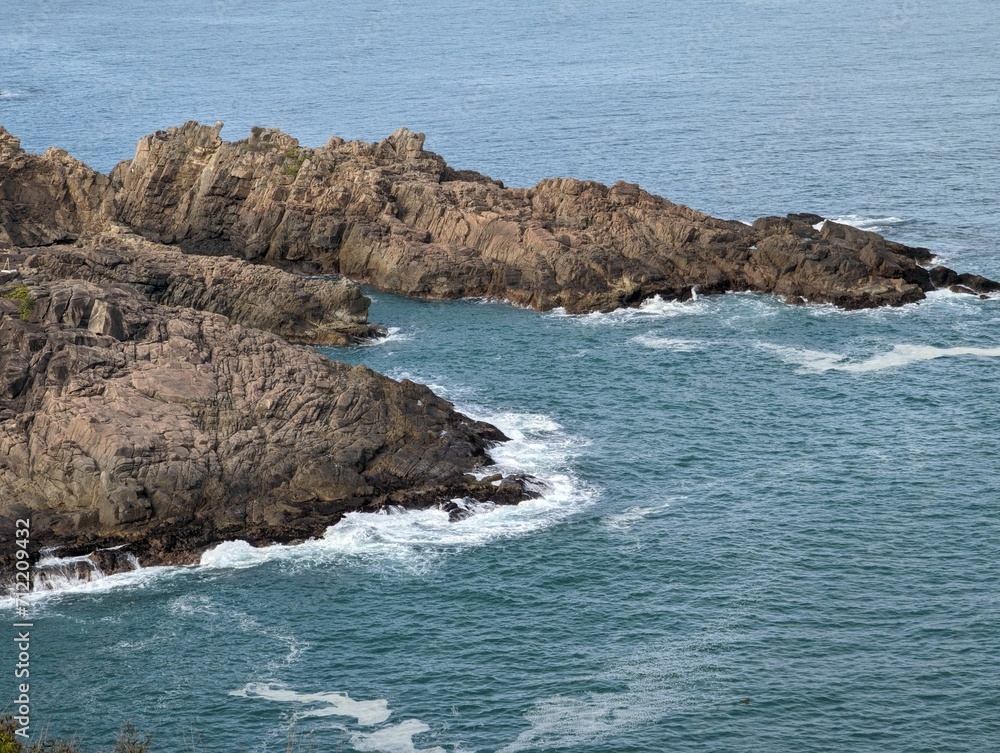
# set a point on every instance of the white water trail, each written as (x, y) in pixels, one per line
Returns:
(367, 713)
(818, 362)
(396, 738)
(677, 345)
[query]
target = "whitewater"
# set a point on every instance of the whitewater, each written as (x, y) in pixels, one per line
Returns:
(759, 526)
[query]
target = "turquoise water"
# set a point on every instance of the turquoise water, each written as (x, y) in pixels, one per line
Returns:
(743, 499)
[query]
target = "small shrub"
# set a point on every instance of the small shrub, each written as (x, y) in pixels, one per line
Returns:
(8, 740)
(294, 161)
(130, 742)
(25, 303)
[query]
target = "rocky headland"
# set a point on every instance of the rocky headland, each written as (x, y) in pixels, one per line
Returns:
(398, 217)
(124, 421)
(152, 402)
(151, 396)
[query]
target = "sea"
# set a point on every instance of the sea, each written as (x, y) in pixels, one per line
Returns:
(761, 527)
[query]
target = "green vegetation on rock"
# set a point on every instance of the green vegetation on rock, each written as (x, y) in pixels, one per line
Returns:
(26, 305)
(10, 742)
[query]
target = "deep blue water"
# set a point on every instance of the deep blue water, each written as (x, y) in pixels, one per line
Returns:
(798, 506)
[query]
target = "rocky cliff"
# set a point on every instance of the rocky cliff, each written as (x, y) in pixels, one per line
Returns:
(52, 198)
(397, 216)
(168, 429)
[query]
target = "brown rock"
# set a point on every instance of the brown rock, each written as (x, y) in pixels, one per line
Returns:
(398, 217)
(49, 199)
(326, 311)
(169, 429)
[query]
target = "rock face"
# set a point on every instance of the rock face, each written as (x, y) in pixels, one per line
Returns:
(52, 200)
(318, 311)
(49, 199)
(169, 429)
(398, 217)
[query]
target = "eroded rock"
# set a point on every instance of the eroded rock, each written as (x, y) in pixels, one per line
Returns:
(169, 429)
(397, 216)
(320, 311)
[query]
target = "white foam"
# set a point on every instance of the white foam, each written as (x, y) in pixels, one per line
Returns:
(651, 308)
(814, 361)
(367, 713)
(628, 517)
(397, 738)
(190, 605)
(668, 343)
(660, 679)
(414, 539)
(656, 306)
(394, 335)
(562, 722)
(392, 738)
(874, 224)
(61, 576)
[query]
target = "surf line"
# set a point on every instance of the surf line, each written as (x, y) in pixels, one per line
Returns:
(22, 627)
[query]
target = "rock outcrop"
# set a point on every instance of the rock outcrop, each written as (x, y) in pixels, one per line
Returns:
(319, 311)
(150, 399)
(397, 216)
(52, 200)
(169, 429)
(47, 199)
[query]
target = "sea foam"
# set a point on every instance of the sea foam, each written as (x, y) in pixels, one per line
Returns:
(367, 713)
(677, 345)
(861, 222)
(817, 362)
(390, 738)
(59, 576)
(414, 539)
(396, 738)
(393, 335)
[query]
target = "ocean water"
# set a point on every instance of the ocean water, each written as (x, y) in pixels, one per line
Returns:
(743, 500)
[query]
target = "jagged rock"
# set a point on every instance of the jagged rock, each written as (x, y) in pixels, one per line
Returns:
(49, 199)
(169, 429)
(398, 217)
(318, 311)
